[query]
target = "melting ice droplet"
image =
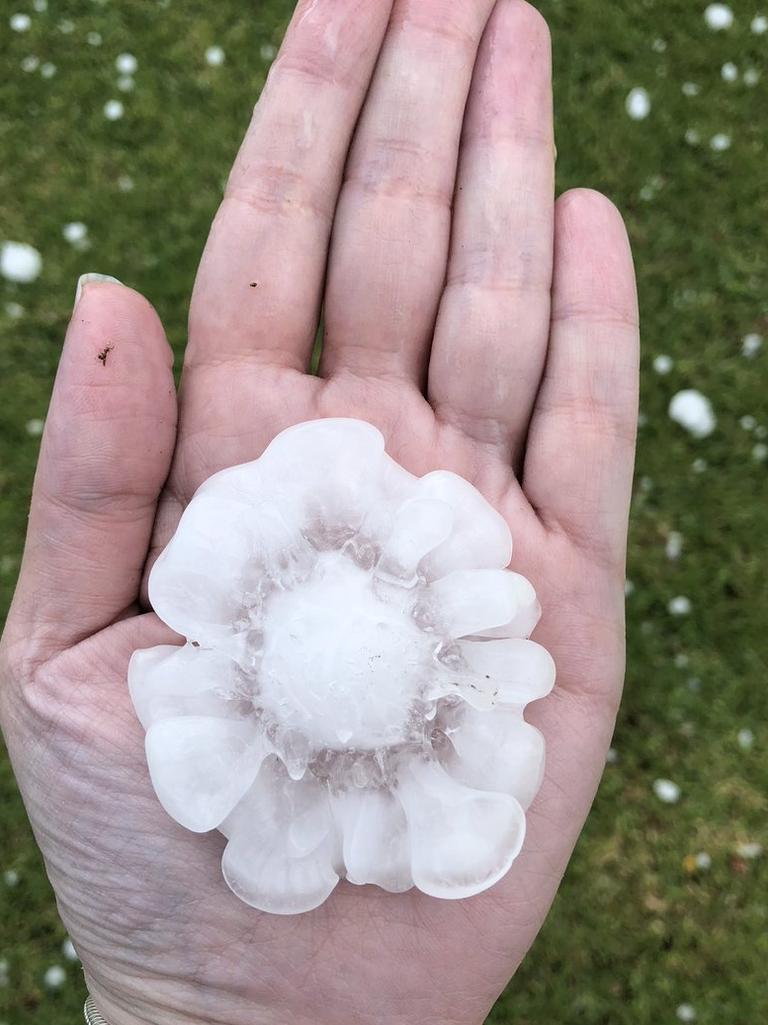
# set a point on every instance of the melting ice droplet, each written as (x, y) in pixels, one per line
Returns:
(349, 703)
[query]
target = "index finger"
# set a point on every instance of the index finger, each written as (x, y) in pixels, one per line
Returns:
(259, 287)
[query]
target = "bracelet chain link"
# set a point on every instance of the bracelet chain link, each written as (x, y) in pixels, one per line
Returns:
(92, 1016)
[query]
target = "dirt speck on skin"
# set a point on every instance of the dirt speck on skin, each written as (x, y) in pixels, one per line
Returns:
(102, 356)
(254, 284)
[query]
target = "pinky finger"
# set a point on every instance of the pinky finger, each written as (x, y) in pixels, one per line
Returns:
(580, 451)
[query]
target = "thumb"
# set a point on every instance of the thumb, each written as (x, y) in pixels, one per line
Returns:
(105, 454)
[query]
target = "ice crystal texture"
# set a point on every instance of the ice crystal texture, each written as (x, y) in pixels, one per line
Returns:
(349, 703)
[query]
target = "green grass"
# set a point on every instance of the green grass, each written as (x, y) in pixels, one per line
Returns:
(633, 933)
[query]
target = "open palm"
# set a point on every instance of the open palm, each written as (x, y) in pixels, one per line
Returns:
(398, 176)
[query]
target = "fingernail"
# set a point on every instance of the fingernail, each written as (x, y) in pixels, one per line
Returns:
(84, 279)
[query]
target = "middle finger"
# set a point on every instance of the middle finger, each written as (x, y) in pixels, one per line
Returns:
(393, 221)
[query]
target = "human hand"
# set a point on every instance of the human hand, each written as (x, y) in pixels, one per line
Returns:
(484, 329)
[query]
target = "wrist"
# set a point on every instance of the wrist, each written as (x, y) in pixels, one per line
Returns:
(92, 1015)
(172, 1007)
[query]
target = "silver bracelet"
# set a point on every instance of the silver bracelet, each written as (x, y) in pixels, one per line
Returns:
(92, 1016)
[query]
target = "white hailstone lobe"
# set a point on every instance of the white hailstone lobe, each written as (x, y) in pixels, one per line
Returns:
(349, 702)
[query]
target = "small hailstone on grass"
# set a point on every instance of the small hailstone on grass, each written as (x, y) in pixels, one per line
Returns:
(749, 851)
(8, 564)
(759, 24)
(94, 39)
(31, 63)
(745, 738)
(629, 588)
(76, 233)
(125, 183)
(126, 64)
(126, 83)
(40, 6)
(638, 103)
(113, 110)
(703, 861)
(680, 606)
(729, 72)
(748, 423)
(20, 262)
(693, 411)
(4, 972)
(751, 77)
(691, 89)
(48, 70)
(761, 431)
(720, 142)
(267, 52)
(66, 26)
(699, 465)
(651, 188)
(718, 16)
(663, 364)
(686, 1012)
(215, 56)
(20, 22)
(751, 344)
(681, 660)
(666, 791)
(68, 950)
(760, 452)
(55, 977)
(692, 137)
(35, 428)
(674, 545)
(612, 756)
(349, 702)
(14, 310)
(11, 878)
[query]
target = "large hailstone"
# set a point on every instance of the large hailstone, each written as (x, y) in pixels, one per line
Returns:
(349, 702)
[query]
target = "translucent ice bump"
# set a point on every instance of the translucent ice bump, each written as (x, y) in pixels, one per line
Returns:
(349, 702)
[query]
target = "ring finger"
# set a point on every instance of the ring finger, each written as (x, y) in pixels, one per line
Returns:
(491, 334)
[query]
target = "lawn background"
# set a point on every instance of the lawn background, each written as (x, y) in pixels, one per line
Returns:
(639, 928)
